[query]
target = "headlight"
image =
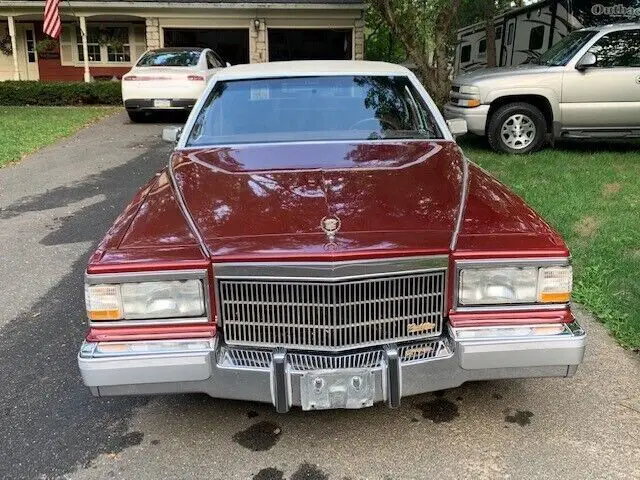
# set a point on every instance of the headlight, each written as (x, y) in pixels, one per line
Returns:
(163, 299)
(514, 285)
(469, 90)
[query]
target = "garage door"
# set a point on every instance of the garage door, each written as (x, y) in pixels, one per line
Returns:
(310, 44)
(232, 44)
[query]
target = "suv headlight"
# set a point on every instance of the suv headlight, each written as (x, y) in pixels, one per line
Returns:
(145, 300)
(481, 286)
(469, 90)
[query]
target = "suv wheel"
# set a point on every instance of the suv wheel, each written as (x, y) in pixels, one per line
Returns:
(517, 128)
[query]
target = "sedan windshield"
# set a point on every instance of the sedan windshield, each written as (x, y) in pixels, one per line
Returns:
(565, 49)
(312, 108)
(164, 58)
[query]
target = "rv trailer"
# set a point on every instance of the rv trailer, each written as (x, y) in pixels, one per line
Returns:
(527, 32)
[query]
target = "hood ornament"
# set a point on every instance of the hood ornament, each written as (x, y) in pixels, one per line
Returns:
(330, 225)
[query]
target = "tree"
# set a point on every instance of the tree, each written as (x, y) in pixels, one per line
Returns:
(426, 29)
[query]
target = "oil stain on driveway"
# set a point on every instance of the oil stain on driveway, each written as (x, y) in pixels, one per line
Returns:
(57, 204)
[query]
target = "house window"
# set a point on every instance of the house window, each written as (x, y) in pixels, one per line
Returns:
(499, 32)
(105, 44)
(118, 50)
(93, 44)
(482, 46)
(31, 45)
(536, 38)
(465, 54)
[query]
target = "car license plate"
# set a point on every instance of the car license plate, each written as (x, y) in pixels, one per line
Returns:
(348, 388)
(162, 103)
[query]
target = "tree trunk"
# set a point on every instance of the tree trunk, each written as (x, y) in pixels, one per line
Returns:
(489, 14)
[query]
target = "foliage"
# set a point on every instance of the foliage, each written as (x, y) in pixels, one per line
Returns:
(381, 44)
(47, 44)
(426, 29)
(69, 93)
(25, 129)
(423, 33)
(590, 193)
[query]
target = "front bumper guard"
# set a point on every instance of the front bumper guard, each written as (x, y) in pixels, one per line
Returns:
(274, 376)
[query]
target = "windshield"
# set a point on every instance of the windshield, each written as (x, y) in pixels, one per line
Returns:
(565, 49)
(182, 58)
(312, 108)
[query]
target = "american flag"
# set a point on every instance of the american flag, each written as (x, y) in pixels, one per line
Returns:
(52, 25)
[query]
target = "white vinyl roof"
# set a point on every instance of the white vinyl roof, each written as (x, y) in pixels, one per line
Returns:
(310, 68)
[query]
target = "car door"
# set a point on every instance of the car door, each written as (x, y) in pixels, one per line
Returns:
(607, 95)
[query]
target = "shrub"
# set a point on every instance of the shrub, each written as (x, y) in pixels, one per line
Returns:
(22, 93)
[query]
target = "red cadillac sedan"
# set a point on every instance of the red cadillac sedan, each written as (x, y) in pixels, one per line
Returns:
(319, 240)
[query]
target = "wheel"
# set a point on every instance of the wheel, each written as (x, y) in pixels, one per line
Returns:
(517, 128)
(136, 117)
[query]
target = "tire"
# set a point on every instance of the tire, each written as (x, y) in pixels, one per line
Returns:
(517, 128)
(136, 117)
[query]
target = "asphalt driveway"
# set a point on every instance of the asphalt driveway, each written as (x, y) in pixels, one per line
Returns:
(54, 207)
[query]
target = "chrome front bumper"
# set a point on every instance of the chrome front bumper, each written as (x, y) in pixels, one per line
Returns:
(475, 117)
(277, 376)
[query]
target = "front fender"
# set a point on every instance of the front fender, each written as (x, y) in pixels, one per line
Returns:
(548, 94)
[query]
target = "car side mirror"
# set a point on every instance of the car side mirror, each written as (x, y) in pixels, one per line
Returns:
(227, 64)
(457, 126)
(587, 60)
(171, 133)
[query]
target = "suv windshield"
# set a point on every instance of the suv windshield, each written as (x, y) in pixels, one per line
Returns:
(160, 58)
(312, 108)
(565, 49)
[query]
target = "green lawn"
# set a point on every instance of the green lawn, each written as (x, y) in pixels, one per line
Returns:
(26, 129)
(590, 192)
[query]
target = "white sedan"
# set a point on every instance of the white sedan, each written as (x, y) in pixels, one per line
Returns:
(168, 79)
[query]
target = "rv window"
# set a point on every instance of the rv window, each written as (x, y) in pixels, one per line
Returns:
(618, 49)
(536, 38)
(482, 46)
(465, 54)
(498, 33)
(510, 34)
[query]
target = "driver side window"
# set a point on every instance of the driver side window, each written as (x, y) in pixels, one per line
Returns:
(618, 49)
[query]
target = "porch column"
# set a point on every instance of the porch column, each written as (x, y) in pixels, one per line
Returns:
(358, 40)
(153, 32)
(85, 49)
(258, 40)
(14, 48)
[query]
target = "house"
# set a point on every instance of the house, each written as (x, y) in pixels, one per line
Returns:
(119, 31)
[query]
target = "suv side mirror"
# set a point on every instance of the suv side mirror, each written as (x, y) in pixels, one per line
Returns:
(227, 64)
(587, 60)
(171, 134)
(457, 126)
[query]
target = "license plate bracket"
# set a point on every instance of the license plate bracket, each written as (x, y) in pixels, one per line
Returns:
(345, 388)
(162, 103)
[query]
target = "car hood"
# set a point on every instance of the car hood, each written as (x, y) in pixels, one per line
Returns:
(270, 200)
(476, 76)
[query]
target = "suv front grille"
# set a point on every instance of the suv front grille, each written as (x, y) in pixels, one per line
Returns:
(331, 315)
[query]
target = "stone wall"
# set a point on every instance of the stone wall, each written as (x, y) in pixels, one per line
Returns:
(358, 33)
(258, 41)
(153, 32)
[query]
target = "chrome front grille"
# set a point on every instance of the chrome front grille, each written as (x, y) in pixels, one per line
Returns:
(331, 314)
(231, 357)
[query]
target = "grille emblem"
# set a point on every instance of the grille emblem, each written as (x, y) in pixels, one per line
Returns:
(330, 225)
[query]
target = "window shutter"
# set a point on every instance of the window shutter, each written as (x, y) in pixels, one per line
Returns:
(67, 44)
(139, 42)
